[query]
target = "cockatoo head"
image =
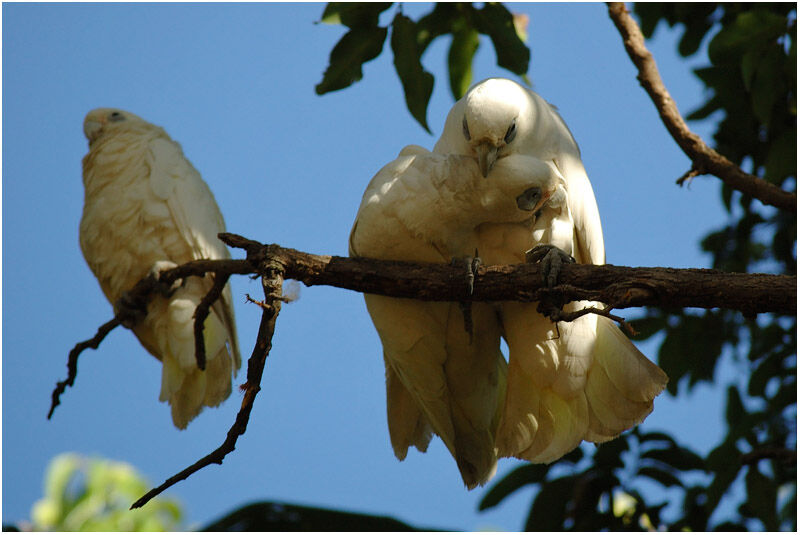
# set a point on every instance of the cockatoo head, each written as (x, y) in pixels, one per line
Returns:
(495, 111)
(101, 121)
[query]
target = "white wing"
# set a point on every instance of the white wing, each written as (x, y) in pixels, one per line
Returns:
(436, 379)
(147, 208)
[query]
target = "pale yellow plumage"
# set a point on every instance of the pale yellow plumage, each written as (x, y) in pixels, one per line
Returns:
(582, 380)
(147, 209)
(426, 207)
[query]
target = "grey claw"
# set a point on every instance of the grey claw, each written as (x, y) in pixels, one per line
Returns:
(165, 290)
(472, 265)
(551, 258)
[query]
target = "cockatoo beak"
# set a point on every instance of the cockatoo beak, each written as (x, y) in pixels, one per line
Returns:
(545, 197)
(487, 155)
(92, 125)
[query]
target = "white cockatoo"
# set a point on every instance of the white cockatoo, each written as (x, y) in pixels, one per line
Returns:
(583, 379)
(146, 209)
(429, 207)
(562, 384)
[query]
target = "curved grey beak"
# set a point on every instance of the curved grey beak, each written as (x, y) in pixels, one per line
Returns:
(487, 155)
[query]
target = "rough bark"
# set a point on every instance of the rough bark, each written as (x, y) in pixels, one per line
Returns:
(615, 285)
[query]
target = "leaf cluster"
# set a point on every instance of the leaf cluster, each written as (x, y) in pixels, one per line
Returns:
(83, 494)
(751, 83)
(583, 492)
(410, 39)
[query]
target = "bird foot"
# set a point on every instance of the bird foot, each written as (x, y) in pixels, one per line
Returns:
(131, 310)
(551, 258)
(471, 264)
(166, 290)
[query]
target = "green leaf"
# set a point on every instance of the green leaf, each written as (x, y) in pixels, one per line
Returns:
(676, 457)
(647, 326)
(734, 409)
(272, 516)
(439, 21)
(459, 60)
(497, 22)
(527, 474)
(660, 476)
(767, 84)
(762, 496)
(749, 29)
(656, 436)
(609, 454)
(548, 512)
(781, 159)
(417, 83)
(724, 462)
(750, 65)
(354, 14)
(354, 49)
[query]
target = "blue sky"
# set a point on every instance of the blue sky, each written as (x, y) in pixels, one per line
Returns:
(234, 84)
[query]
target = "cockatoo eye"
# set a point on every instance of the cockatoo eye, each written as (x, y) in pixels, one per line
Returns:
(529, 199)
(116, 116)
(465, 128)
(511, 133)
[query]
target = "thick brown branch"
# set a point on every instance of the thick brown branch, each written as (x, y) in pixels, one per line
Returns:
(255, 370)
(618, 286)
(704, 158)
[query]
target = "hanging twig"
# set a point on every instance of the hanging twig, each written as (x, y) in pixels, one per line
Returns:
(255, 369)
(704, 158)
(200, 315)
(72, 361)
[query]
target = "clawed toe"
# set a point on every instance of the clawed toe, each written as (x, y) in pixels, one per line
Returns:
(166, 290)
(551, 258)
(471, 264)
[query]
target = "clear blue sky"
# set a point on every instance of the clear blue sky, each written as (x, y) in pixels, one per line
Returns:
(234, 84)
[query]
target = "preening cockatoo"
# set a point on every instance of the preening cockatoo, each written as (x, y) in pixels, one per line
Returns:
(584, 380)
(580, 380)
(146, 209)
(429, 207)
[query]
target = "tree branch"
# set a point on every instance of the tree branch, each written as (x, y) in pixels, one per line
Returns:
(200, 315)
(255, 369)
(72, 361)
(616, 286)
(704, 158)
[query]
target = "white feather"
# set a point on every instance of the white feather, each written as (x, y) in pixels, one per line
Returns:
(147, 208)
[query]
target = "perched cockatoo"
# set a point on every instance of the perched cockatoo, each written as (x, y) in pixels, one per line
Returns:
(146, 209)
(429, 207)
(583, 379)
(579, 380)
